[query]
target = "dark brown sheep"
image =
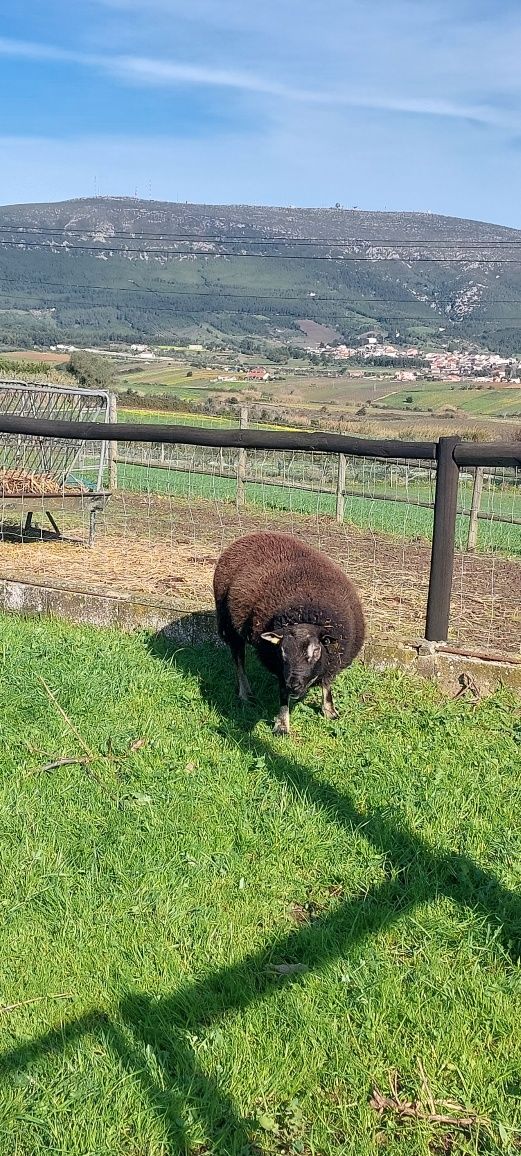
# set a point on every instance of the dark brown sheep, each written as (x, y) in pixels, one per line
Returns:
(295, 607)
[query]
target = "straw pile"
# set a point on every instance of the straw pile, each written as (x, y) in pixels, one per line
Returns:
(24, 484)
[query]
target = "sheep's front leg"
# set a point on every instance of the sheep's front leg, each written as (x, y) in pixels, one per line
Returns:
(328, 707)
(238, 649)
(281, 722)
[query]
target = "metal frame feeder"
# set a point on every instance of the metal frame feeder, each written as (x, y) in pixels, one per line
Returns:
(50, 473)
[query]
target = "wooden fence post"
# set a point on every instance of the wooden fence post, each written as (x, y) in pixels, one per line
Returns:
(443, 539)
(340, 487)
(477, 491)
(113, 446)
(241, 461)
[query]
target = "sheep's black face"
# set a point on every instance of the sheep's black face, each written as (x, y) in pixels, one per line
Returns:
(302, 658)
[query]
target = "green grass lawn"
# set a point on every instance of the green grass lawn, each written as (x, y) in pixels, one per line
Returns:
(150, 893)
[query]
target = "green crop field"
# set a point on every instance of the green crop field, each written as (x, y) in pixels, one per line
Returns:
(153, 417)
(154, 379)
(404, 518)
(310, 388)
(481, 402)
(219, 942)
(172, 417)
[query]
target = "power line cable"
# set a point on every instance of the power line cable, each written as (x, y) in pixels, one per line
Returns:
(220, 238)
(104, 248)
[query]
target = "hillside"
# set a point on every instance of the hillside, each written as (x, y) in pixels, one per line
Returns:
(120, 269)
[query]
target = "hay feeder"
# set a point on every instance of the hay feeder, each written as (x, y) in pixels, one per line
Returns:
(52, 475)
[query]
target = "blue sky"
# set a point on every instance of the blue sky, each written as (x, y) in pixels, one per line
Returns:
(397, 104)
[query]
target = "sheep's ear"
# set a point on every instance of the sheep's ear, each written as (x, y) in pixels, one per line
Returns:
(270, 636)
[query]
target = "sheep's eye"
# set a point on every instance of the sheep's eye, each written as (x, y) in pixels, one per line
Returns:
(326, 641)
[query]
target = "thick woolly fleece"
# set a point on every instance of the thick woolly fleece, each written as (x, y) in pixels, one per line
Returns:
(269, 581)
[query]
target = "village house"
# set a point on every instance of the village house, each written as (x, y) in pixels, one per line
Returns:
(258, 374)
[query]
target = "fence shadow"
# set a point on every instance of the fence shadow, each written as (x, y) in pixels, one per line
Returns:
(423, 872)
(147, 1029)
(150, 1037)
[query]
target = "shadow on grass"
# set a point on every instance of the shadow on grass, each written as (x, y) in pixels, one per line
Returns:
(422, 873)
(160, 1028)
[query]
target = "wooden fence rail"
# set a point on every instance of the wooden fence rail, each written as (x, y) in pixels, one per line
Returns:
(449, 454)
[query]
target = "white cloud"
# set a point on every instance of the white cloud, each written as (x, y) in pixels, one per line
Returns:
(163, 72)
(437, 47)
(29, 50)
(166, 72)
(389, 103)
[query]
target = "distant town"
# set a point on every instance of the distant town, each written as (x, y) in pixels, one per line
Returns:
(443, 366)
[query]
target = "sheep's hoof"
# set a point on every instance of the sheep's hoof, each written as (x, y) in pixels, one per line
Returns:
(330, 712)
(280, 727)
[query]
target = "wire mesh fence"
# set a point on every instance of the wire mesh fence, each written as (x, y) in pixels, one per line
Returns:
(486, 588)
(46, 477)
(47, 463)
(174, 507)
(389, 496)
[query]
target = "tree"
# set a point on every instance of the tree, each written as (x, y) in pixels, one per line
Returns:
(91, 371)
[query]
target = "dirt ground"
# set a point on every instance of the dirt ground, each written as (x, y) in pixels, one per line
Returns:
(35, 355)
(166, 548)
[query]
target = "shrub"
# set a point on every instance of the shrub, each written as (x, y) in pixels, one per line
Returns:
(91, 371)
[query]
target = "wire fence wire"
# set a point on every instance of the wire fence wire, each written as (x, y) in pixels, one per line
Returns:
(49, 464)
(173, 508)
(49, 477)
(487, 564)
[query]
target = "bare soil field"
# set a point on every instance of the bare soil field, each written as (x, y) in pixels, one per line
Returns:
(316, 333)
(166, 548)
(35, 355)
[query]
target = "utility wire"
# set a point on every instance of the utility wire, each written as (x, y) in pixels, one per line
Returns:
(220, 238)
(104, 248)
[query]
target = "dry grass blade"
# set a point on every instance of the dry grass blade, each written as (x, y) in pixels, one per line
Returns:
(11, 1007)
(80, 761)
(413, 1110)
(428, 1096)
(91, 756)
(65, 717)
(468, 684)
(136, 746)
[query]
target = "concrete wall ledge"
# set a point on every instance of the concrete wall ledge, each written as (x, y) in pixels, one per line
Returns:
(455, 673)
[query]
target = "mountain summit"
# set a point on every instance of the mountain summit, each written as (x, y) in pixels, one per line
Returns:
(118, 268)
